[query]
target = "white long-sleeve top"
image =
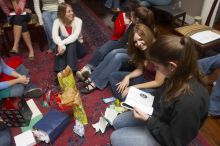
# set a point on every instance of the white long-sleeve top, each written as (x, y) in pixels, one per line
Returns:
(48, 5)
(76, 34)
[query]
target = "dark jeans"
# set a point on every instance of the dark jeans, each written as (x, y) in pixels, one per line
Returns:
(70, 56)
(5, 136)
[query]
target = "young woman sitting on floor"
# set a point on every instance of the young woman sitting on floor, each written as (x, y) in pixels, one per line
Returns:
(180, 108)
(144, 76)
(99, 78)
(68, 38)
(107, 47)
(20, 85)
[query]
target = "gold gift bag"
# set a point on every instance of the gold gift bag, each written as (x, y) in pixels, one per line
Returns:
(70, 95)
(66, 78)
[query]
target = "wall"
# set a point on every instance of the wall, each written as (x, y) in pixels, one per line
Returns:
(192, 8)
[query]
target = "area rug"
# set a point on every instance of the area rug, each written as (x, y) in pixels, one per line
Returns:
(41, 70)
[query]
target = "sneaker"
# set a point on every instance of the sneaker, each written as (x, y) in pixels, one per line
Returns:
(83, 74)
(32, 91)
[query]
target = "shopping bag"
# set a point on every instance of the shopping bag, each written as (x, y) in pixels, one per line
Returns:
(15, 112)
(53, 124)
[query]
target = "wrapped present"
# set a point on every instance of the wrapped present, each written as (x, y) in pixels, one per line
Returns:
(52, 124)
(15, 112)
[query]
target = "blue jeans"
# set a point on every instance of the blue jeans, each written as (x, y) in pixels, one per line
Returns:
(111, 63)
(68, 58)
(117, 77)
(5, 137)
(214, 105)
(48, 19)
(154, 2)
(207, 65)
(100, 53)
(130, 132)
(17, 89)
(112, 3)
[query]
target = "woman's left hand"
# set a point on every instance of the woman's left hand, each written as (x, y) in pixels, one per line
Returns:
(138, 114)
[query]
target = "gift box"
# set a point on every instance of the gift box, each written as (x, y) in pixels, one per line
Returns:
(53, 124)
(15, 112)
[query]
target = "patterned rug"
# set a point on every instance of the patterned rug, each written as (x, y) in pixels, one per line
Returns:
(41, 69)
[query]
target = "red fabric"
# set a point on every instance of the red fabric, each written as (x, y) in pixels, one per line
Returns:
(13, 62)
(119, 27)
(150, 72)
(69, 29)
(21, 4)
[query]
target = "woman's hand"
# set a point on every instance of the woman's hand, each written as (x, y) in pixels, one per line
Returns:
(123, 84)
(125, 92)
(23, 79)
(138, 114)
(60, 51)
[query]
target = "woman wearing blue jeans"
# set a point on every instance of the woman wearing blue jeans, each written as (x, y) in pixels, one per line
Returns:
(176, 118)
(20, 86)
(148, 3)
(207, 65)
(47, 17)
(154, 2)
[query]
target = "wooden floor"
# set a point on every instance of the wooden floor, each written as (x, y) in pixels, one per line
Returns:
(211, 128)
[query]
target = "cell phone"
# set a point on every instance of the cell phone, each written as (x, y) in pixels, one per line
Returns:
(108, 99)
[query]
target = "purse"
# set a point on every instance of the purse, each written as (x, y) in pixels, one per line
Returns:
(53, 124)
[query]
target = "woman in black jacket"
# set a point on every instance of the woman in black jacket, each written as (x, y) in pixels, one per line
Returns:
(182, 107)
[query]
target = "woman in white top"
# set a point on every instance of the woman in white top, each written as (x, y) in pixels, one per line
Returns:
(66, 34)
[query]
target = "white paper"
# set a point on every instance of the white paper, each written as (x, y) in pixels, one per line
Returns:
(34, 108)
(79, 128)
(139, 99)
(108, 118)
(100, 125)
(13, 13)
(205, 36)
(110, 115)
(25, 139)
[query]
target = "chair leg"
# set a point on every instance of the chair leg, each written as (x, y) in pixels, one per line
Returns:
(184, 17)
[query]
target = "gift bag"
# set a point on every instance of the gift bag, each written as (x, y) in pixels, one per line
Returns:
(52, 124)
(70, 95)
(66, 78)
(15, 112)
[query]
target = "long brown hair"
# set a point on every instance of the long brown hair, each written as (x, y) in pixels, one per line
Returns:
(138, 56)
(180, 50)
(145, 16)
(61, 13)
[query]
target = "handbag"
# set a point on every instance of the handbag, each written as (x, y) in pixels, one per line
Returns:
(15, 112)
(53, 124)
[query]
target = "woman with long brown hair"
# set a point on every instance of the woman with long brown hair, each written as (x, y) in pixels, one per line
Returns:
(180, 109)
(66, 34)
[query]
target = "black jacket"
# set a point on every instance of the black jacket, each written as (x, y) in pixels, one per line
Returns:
(176, 123)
